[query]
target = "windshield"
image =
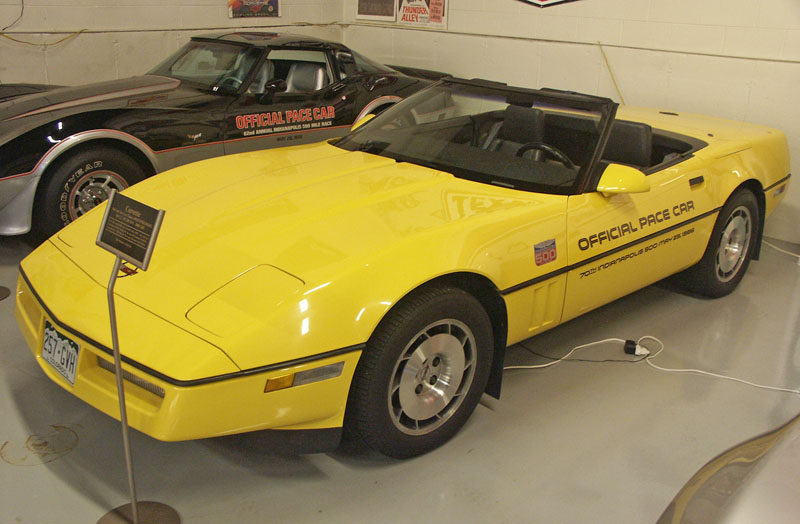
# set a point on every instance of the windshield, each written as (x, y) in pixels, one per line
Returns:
(216, 66)
(523, 139)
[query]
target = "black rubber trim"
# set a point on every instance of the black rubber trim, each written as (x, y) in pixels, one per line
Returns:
(567, 269)
(779, 182)
(187, 383)
(284, 441)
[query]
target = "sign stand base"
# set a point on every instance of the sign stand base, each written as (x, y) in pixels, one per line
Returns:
(149, 513)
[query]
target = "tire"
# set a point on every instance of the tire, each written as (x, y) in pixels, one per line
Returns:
(79, 182)
(730, 248)
(422, 373)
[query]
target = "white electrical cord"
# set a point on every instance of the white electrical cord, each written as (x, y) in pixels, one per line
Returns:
(776, 248)
(708, 373)
(565, 357)
(648, 356)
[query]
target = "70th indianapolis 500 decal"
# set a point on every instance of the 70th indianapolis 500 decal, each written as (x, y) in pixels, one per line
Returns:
(283, 121)
(627, 228)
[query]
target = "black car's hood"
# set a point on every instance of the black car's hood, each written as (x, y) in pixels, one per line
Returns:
(9, 91)
(138, 91)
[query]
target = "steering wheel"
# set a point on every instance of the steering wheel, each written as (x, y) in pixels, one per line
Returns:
(554, 152)
(229, 82)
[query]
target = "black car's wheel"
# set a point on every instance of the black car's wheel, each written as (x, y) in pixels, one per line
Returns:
(422, 373)
(80, 182)
(732, 244)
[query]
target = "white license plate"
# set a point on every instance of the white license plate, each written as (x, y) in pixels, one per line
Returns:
(60, 352)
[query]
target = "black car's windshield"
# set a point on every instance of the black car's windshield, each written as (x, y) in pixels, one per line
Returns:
(533, 140)
(216, 66)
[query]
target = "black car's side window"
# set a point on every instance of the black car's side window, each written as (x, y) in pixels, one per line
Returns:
(352, 63)
(302, 70)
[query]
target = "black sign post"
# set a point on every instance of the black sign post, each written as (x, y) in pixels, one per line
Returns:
(129, 230)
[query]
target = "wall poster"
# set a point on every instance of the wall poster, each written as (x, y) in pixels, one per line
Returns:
(422, 13)
(252, 8)
(379, 10)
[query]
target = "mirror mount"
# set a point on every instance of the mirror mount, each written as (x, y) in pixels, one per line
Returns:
(618, 178)
(277, 85)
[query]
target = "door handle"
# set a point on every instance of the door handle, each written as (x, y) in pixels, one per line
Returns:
(696, 181)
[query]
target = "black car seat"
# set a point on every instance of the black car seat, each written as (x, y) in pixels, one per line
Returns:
(306, 76)
(521, 125)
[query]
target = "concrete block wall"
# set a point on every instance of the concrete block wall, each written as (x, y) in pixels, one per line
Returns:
(128, 37)
(736, 59)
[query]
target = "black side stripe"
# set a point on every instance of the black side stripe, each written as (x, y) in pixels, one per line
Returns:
(186, 383)
(779, 182)
(567, 269)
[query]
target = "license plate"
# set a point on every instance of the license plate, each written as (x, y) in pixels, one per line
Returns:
(60, 352)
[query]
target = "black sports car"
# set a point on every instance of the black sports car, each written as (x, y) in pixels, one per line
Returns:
(63, 149)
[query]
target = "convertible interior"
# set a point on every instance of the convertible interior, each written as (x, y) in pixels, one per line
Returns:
(540, 149)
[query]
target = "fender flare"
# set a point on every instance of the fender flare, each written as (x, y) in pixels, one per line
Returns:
(26, 197)
(380, 101)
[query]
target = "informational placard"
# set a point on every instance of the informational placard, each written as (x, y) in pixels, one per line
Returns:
(253, 8)
(379, 10)
(129, 229)
(423, 13)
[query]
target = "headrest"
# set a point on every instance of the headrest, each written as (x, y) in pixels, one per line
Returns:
(523, 124)
(630, 143)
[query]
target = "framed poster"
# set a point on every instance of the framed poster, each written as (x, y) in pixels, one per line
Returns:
(253, 8)
(379, 10)
(423, 13)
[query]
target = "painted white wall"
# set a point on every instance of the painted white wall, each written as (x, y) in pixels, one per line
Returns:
(128, 37)
(736, 59)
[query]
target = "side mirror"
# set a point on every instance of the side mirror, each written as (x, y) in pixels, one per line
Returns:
(278, 85)
(618, 178)
(361, 122)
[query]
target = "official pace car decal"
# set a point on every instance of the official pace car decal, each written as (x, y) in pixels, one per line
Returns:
(545, 252)
(283, 121)
(644, 222)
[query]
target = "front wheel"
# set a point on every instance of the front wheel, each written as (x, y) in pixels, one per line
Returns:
(422, 373)
(80, 182)
(732, 244)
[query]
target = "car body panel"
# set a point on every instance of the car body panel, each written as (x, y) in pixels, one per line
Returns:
(294, 256)
(181, 412)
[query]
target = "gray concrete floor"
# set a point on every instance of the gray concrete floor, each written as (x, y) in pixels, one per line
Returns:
(578, 442)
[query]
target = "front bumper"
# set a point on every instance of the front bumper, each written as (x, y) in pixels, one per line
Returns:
(171, 410)
(16, 204)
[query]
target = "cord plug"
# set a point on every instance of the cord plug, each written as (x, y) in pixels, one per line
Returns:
(632, 348)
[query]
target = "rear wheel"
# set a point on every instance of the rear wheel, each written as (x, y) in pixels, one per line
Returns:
(79, 183)
(422, 373)
(732, 244)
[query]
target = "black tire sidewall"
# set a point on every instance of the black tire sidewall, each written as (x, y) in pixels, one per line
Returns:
(703, 278)
(369, 408)
(51, 209)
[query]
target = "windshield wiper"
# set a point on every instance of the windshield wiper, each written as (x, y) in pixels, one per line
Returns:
(373, 146)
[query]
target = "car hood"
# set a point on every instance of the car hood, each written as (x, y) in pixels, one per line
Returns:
(139, 91)
(9, 91)
(265, 228)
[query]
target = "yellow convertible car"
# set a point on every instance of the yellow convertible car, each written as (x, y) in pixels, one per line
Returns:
(372, 283)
